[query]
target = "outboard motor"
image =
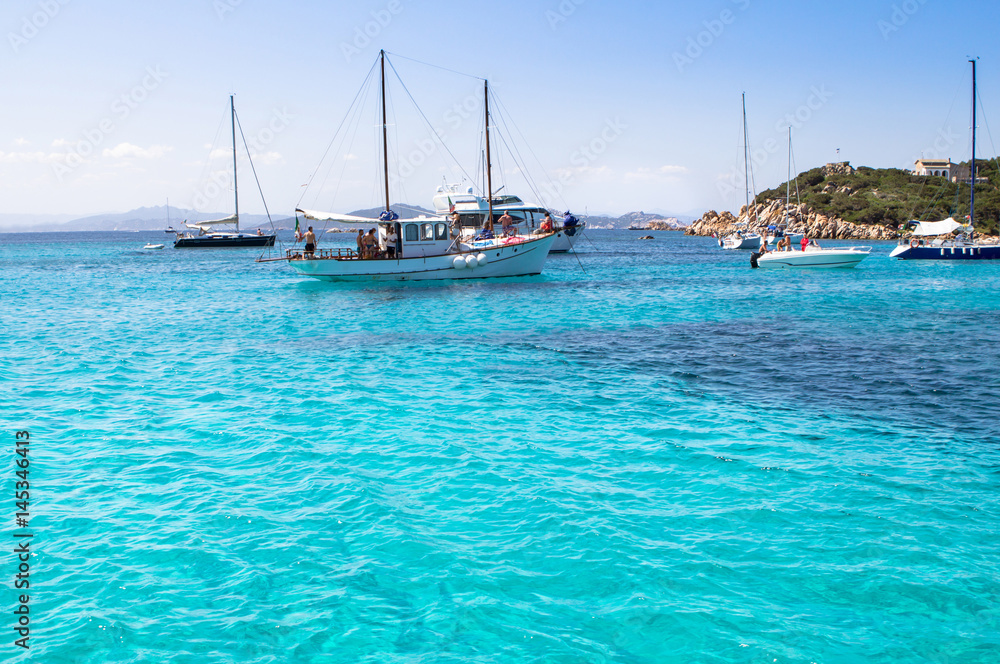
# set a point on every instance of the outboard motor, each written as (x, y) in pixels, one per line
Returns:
(753, 259)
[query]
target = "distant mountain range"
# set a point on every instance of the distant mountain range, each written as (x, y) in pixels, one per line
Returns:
(640, 220)
(141, 219)
(156, 218)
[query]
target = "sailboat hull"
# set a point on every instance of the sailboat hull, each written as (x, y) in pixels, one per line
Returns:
(511, 260)
(227, 240)
(971, 252)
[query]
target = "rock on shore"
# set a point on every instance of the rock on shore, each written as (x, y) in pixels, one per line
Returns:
(801, 219)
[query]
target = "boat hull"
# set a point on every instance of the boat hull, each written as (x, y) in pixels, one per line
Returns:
(515, 259)
(565, 238)
(813, 259)
(750, 242)
(207, 241)
(972, 252)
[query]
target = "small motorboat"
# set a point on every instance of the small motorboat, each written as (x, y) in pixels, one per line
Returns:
(153, 246)
(811, 258)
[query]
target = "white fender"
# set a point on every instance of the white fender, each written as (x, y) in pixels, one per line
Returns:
(482, 259)
(471, 261)
(458, 263)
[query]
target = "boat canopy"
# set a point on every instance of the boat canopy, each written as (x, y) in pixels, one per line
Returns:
(351, 219)
(928, 228)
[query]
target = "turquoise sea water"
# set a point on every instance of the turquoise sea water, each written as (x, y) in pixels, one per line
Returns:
(649, 454)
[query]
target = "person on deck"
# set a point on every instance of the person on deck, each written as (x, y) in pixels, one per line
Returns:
(371, 244)
(569, 220)
(310, 239)
(360, 241)
(547, 223)
(390, 241)
(507, 223)
(487, 232)
(804, 242)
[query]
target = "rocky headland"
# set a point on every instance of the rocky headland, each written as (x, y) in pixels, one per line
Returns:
(838, 201)
(800, 219)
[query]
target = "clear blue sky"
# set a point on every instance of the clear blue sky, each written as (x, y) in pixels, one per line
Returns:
(110, 105)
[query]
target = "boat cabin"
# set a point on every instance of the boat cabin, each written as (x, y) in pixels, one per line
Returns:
(418, 237)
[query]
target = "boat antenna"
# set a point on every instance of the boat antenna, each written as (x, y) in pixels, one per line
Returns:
(489, 170)
(236, 196)
(385, 132)
(972, 172)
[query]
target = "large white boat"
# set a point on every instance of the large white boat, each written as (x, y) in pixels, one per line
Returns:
(473, 210)
(811, 258)
(424, 248)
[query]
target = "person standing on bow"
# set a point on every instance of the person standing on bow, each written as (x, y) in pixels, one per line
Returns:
(310, 239)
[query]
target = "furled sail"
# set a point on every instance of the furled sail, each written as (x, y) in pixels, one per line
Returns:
(929, 228)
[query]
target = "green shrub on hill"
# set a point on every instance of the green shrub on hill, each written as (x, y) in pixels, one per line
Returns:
(890, 196)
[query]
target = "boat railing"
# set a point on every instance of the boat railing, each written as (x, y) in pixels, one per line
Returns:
(337, 253)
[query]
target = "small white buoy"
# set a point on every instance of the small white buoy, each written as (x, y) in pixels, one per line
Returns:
(482, 259)
(471, 261)
(458, 263)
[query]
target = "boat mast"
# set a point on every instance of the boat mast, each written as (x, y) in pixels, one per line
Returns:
(788, 174)
(972, 178)
(236, 196)
(489, 170)
(385, 134)
(746, 157)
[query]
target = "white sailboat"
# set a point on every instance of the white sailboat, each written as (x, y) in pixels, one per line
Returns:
(744, 238)
(424, 248)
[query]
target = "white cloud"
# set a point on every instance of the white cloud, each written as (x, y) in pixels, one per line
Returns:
(30, 157)
(129, 151)
(21, 142)
(60, 143)
(566, 174)
(218, 153)
(644, 174)
(268, 158)
(350, 157)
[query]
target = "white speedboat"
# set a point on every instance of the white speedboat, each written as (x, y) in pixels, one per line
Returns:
(473, 210)
(153, 246)
(812, 258)
(424, 248)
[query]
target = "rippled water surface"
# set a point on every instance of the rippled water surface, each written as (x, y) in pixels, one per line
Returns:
(651, 453)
